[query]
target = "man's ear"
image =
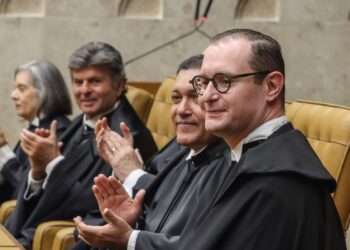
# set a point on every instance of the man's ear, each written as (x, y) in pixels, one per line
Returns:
(121, 86)
(274, 83)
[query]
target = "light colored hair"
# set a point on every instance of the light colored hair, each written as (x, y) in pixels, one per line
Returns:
(53, 92)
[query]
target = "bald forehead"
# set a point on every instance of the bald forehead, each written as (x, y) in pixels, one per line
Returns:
(230, 55)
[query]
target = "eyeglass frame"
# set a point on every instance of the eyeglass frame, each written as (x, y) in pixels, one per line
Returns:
(231, 78)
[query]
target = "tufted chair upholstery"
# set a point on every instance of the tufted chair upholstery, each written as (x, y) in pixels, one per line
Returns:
(327, 128)
(141, 100)
(159, 121)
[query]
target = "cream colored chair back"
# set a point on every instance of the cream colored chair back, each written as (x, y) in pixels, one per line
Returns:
(327, 128)
(159, 120)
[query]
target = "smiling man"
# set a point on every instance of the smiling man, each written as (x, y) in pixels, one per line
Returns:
(60, 178)
(277, 194)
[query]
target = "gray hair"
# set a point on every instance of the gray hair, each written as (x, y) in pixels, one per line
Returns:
(53, 92)
(99, 54)
(193, 62)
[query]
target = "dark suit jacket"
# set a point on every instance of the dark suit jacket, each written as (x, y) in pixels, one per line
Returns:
(174, 192)
(13, 170)
(68, 192)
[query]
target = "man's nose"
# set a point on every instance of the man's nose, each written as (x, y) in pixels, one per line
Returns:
(14, 94)
(85, 87)
(209, 93)
(184, 107)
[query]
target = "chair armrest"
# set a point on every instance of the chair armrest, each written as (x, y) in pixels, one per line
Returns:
(6, 209)
(45, 233)
(64, 239)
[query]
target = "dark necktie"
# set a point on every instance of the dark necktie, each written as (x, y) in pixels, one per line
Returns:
(87, 133)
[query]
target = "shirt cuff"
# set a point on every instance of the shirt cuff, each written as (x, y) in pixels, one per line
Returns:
(6, 154)
(33, 186)
(132, 240)
(131, 180)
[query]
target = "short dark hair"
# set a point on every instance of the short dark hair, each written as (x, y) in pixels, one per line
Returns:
(98, 54)
(266, 51)
(53, 92)
(193, 62)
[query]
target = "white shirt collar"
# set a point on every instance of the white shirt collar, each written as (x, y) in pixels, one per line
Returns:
(35, 122)
(91, 122)
(194, 153)
(260, 133)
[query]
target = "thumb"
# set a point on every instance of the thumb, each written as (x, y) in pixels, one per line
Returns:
(60, 145)
(139, 198)
(113, 219)
(126, 133)
(53, 128)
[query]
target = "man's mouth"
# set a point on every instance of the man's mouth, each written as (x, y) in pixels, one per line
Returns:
(185, 125)
(88, 101)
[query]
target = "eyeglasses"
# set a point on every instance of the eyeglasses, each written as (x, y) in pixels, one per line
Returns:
(222, 82)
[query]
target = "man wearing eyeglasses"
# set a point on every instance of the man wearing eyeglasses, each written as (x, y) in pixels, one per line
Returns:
(277, 193)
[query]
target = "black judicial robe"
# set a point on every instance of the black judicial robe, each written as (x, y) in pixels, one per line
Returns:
(13, 170)
(165, 159)
(68, 192)
(175, 192)
(277, 197)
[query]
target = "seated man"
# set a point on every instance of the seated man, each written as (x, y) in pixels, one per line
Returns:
(185, 173)
(59, 185)
(277, 194)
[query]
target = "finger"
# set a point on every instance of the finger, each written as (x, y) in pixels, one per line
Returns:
(25, 148)
(103, 149)
(98, 126)
(87, 232)
(105, 123)
(53, 128)
(28, 135)
(27, 138)
(117, 186)
(139, 157)
(139, 198)
(77, 220)
(81, 237)
(113, 140)
(114, 219)
(126, 133)
(97, 194)
(104, 186)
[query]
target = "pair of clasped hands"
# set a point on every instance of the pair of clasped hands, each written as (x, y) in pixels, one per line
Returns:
(117, 208)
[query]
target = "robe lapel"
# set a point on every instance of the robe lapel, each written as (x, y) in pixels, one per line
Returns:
(169, 162)
(247, 158)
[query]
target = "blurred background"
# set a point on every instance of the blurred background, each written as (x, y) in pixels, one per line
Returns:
(314, 34)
